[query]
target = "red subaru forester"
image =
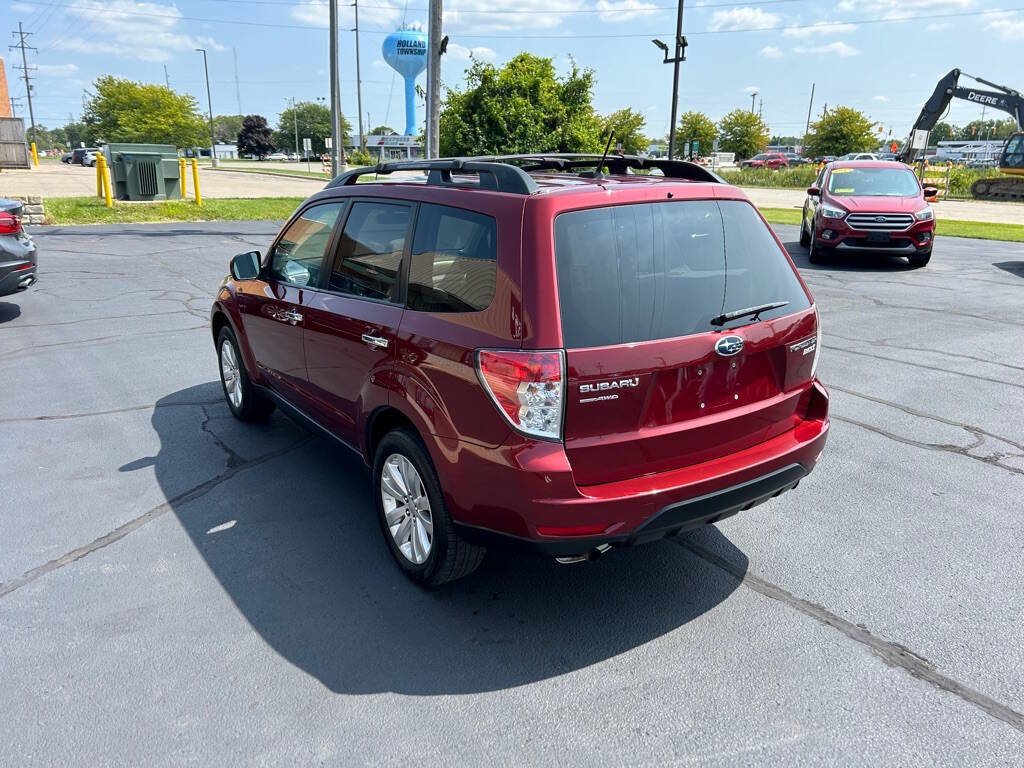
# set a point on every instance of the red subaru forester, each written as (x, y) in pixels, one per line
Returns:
(569, 352)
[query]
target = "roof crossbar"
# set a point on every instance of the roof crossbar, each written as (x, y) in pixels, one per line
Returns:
(511, 173)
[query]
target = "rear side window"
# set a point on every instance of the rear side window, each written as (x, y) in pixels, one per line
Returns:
(369, 257)
(658, 270)
(454, 260)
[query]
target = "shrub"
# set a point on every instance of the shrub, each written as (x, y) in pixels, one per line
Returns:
(360, 157)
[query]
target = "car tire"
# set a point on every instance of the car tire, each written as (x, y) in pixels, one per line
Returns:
(919, 260)
(246, 402)
(814, 254)
(805, 239)
(409, 469)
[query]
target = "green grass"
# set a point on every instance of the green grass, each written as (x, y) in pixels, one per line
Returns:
(981, 230)
(272, 171)
(91, 210)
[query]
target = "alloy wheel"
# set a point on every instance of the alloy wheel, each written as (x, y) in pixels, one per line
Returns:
(407, 508)
(230, 372)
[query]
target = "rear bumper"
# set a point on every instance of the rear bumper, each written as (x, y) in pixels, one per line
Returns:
(16, 276)
(525, 493)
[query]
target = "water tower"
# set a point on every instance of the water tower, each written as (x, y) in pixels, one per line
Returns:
(406, 52)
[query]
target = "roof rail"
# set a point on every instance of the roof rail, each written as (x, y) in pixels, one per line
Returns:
(511, 173)
(501, 177)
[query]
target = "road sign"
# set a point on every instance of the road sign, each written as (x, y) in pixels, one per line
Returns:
(714, 145)
(307, 145)
(919, 140)
(328, 143)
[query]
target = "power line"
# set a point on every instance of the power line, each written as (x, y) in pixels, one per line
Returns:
(25, 69)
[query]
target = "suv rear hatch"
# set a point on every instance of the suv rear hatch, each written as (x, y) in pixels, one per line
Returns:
(638, 288)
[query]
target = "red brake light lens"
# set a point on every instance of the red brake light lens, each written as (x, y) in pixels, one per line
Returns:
(9, 223)
(527, 387)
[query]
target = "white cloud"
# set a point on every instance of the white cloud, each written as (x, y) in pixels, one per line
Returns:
(751, 89)
(624, 10)
(386, 13)
(880, 98)
(771, 52)
(512, 15)
(818, 29)
(742, 18)
(57, 69)
(24, 7)
(838, 48)
(938, 27)
(890, 10)
(462, 53)
(1007, 26)
(132, 30)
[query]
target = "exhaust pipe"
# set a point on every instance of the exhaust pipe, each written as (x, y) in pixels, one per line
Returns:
(25, 282)
(594, 554)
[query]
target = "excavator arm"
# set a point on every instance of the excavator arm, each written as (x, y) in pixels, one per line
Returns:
(1004, 99)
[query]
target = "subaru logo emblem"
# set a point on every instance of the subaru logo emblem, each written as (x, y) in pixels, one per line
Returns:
(881, 219)
(727, 346)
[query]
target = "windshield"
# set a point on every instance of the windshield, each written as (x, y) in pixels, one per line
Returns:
(759, 157)
(873, 182)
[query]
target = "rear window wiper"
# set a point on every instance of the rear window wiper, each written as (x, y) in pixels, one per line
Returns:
(755, 311)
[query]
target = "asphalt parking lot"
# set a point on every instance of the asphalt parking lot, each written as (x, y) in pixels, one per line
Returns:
(179, 588)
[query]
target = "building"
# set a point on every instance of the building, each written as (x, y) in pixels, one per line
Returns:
(5, 95)
(390, 147)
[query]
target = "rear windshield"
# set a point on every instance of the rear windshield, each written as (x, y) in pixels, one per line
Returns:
(633, 273)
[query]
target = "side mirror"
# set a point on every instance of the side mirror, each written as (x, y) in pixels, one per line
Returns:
(931, 191)
(814, 191)
(246, 266)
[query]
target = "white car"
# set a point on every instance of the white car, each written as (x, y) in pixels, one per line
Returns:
(277, 156)
(89, 159)
(860, 156)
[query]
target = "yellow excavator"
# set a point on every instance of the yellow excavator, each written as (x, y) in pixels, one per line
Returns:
(1011, 159)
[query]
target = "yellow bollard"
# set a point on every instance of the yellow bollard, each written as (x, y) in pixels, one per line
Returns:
(184, 177)
(195, 183)
(35, 155)
(99, 178)
(105, 173)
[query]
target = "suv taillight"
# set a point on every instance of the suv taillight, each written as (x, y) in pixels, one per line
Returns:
(527, 387)
(9, 223)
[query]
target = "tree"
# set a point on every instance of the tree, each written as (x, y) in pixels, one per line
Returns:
(742, 132)
(696, 126)
(521, 107)
(976, 130)
(314, 122)
(255, 137)
(383, 130)
(943, 132)
(127, 111)
(628, 127)
(785, 141)
(839, 131)
(226, 128)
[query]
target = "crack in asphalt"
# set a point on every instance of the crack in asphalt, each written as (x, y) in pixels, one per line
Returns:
(891, 653)
(98, 339)
(993, 460)
(12, 327)
(972, 376)
(942, 352)
(90, 414)
(234, 465)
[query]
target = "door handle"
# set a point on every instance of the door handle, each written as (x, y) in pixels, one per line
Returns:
(288, 316)
(375, 341)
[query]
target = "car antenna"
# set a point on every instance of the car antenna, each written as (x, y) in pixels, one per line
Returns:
(596, 173)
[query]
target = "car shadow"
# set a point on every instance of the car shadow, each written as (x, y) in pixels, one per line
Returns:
(1013, 267)
(867, 262)
(9, 311)
(294, 542)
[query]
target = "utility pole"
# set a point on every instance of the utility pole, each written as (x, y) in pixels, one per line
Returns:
(238, 88)
(14, 105)
(167, 78)
(359, 82)
(435, 48)
(810, 106)
(295, 120)
(22, 35)
(760, 108)
(209, 105)
(336, 151)
(752, 97)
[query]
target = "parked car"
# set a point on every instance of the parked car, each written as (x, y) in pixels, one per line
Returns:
(277, 156)
(89, 159)
(66, 157)
(79, 153)
(983, 162)
(859, 156)
(17, 250)
(773, 160)
(874, 206)
(794, 159)
(529, 358)
(886, 155)
(825, 159)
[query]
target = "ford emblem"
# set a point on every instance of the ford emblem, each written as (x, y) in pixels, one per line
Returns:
(727, 346)
(881, 219)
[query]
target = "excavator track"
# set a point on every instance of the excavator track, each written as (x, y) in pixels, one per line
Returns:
(999, 188)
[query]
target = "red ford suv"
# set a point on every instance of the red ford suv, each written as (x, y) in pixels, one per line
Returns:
(868, 206)
(564, 351)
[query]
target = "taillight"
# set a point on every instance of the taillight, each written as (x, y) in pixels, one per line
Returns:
(817, 341)
(9, 223)
(527, 387)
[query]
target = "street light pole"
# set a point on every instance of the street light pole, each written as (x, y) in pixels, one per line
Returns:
(295, 120)
(209, 105)
(359, 82)
(752, 97)
(336, 152)
(680, 56)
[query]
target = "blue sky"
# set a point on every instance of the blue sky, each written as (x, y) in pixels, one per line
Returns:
(858, 52)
